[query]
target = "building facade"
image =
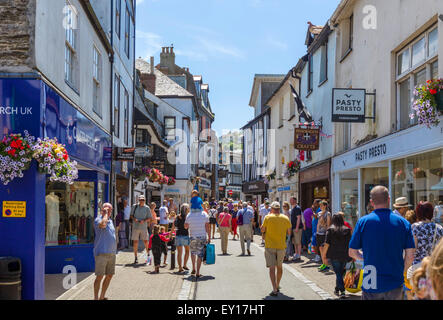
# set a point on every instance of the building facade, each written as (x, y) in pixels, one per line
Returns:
(391, 149)
(59, 79)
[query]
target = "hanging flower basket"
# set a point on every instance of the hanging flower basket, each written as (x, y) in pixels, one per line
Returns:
(270, 176)
(140, 174)
(15, 156)
(53, 159)
(293, 167)
(171, 181)
(428, 104)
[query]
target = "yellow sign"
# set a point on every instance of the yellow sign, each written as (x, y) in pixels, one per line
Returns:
(14, 209)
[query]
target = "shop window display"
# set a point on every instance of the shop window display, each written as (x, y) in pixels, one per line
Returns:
(419, 178)
(349, 196)
(69, 213)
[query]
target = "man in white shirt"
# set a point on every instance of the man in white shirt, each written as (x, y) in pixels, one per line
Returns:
(163, 213)
(262, 214)
(197, 222)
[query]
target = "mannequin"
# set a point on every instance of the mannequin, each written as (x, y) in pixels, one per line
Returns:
(53, 219)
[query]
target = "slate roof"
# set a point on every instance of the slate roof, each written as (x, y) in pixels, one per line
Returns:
(164, 86)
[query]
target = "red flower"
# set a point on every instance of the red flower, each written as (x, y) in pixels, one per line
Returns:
(65, 156)
(11, 152)
(433, 91)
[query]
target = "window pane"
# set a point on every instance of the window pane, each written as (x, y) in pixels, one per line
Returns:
(403, 62)
(420, 77)
(405, 104)
(434, 70)
(418, 52)
(433, 42)
(169, 122)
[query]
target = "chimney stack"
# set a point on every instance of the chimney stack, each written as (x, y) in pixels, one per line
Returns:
(148, 79)
(152, 65)
(167, 60)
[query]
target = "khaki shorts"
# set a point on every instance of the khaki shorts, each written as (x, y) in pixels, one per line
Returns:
(274, 257)
(297, 237)
(139, 234)
(105, 264)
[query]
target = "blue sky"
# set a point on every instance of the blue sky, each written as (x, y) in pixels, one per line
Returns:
(228, 41)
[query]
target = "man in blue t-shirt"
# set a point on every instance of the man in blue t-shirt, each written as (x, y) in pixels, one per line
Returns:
(383, 237)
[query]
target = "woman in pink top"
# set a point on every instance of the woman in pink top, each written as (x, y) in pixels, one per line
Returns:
(224, 221)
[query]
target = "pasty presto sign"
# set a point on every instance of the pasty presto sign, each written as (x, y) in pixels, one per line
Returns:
(348, 105)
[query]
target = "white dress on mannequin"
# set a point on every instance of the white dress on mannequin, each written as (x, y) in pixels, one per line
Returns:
(53, 219)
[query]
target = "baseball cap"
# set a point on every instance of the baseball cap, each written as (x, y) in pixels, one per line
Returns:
(141, 197)
(275, 205)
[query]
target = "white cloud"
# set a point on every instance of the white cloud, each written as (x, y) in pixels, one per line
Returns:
(214, 48)
(272, 41)
(152, 42)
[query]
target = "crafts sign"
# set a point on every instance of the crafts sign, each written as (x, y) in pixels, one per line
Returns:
(306, 139)
(348, 105)
(14, 209)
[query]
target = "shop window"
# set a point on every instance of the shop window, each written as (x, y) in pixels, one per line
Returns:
(373, 177)
(70, 212)
(416, 63)
(419, 178)
(349, 196)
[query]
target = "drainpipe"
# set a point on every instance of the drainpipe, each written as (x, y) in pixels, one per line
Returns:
(111, 91)
(131, 181)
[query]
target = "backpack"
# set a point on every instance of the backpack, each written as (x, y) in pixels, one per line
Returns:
(240, 218)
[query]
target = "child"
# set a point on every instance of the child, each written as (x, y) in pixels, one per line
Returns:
(196, 201)
(164, 249)
(156, 242)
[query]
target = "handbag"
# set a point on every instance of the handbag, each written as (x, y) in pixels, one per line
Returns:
(353, 279)
(414, 267)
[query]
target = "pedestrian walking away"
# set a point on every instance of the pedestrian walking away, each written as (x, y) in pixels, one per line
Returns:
(289, 245)
(105, 249)
(245, 219)
(182, 238)
(197, 223)
(157, 241)
(213, 219)
(233, 213)
(384, 237)
(141, 217)
(276, 226)
(297, 227)
(336, 249)
(263, 212)
(225, 223)
(127, 217)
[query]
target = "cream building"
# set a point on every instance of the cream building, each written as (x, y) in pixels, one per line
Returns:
(387, 47)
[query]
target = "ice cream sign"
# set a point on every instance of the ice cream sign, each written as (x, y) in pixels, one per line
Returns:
(348, 105)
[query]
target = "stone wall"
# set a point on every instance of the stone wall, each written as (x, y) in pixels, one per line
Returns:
(17, 34)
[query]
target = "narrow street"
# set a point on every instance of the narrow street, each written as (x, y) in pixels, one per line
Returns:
(233, 277)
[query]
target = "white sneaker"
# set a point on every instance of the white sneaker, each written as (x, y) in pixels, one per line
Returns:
(317, 258)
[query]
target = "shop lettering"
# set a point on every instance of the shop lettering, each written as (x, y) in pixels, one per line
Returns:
(16, 110)
(371, 152)
(348, 105)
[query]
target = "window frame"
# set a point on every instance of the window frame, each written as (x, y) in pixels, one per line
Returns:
(411, 72)
(71, 45)
(126, 116)
(168, 128)
(310, 73)
(127, 31)
(117, 93)
(96, 79)
(324, 66)
(118, 10)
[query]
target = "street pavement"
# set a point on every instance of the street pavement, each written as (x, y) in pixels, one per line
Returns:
(232, 277)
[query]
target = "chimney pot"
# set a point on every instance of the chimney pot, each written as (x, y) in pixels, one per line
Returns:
(172, 49)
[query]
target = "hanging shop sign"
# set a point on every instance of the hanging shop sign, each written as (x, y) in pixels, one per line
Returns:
(306, 139)
(348, 105)
(205, 183)
(142, 152)
(124, 154)
(158, 164)
(14, 209)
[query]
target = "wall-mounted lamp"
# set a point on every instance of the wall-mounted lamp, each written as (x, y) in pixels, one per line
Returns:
(441, 17)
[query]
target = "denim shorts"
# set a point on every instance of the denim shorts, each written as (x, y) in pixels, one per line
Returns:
(182, 241)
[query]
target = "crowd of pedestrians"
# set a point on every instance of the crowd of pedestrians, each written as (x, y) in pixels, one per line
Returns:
(401, 250)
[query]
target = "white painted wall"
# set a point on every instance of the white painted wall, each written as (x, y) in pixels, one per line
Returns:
(50, 55)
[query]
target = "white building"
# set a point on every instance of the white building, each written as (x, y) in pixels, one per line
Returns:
(389, 54)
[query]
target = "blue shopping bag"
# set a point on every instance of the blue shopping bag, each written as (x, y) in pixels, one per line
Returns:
(210, 253)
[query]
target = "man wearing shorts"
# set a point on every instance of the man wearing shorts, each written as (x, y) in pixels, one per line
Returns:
(105, 248)
(276, 226)
(141, 216)
(197, 223)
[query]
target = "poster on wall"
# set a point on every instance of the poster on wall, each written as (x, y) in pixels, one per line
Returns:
(348, 105)
(306, 139)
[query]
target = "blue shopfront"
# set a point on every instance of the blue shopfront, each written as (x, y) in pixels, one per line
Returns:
(57, 228)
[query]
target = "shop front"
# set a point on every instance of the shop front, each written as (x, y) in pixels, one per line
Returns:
(409, 163)
(205, 188)
(314, 184)
(56, 227)
(256, 190)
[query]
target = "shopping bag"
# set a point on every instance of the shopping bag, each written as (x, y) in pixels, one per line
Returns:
(353, 279)
(210, 253)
